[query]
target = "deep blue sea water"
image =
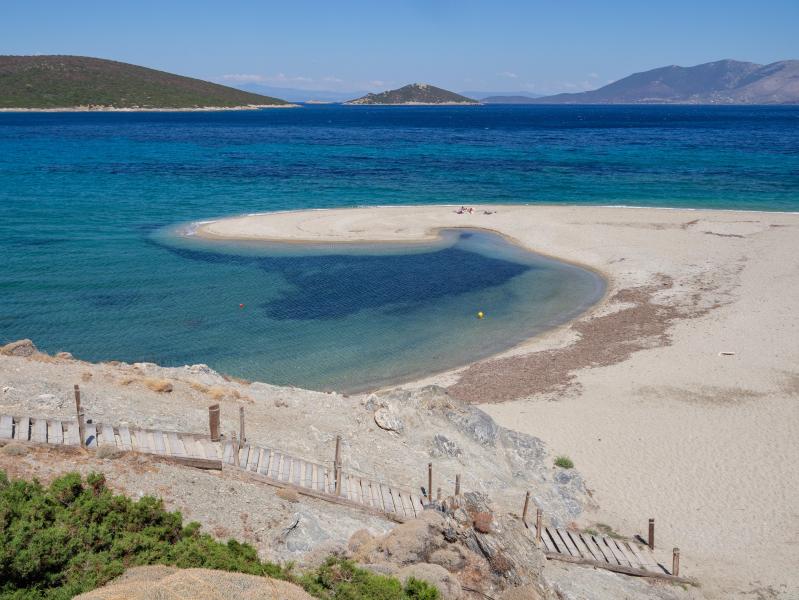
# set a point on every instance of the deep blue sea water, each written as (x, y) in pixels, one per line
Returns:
(87, 263)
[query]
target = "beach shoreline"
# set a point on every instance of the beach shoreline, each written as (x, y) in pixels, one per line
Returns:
(112, 109)
(675, 396)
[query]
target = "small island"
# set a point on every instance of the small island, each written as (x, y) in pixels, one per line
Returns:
(415, 94)
(84, 83)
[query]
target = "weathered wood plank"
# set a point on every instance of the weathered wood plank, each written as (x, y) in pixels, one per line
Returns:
(72, 436)
(158, 442)
(22, 429)
(6, 427)
(618, 568)
(308, 479)
(244, 456)
(55, 432)
(124, 437)
(263, 468)
(366, 495)
(255, 456)
(143, 441)
(175, 445)
(628, 556)
(193, 461)
(567, 542)
(549, 543)
(39, 431)
(299, 468)
(209, 449)
(227, 453)
(597, 548)
(285, 472)
(388, 504)
(584, 548)
(107, 437)
(643, 555)
(274, 467)
(611, 544)
(415, 504)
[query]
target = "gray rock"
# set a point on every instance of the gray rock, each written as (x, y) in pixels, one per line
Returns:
(49, 401)
(475, 424)
(525, 452)
(388, 420)
(303, 533)
(443, 446)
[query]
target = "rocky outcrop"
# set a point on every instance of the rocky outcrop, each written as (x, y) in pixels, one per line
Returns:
(447, 547)
(463, 439)
(151, 583)
(19, 348)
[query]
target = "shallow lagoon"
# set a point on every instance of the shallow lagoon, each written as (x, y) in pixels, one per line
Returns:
(355, 317)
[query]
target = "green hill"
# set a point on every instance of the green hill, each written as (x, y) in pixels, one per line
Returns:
(73, 81)
(415, 93)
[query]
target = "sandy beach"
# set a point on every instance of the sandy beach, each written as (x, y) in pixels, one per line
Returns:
(677, 397)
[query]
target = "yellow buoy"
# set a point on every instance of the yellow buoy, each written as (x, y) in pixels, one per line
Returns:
(480, 314)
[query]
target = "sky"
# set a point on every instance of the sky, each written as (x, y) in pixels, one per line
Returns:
(344, 45)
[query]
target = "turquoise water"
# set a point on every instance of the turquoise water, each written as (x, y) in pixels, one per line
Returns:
(88, 262)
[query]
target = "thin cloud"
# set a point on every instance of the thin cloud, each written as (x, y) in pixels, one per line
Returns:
(508, 74)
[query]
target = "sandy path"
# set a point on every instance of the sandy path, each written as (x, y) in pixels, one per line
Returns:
(667, 428)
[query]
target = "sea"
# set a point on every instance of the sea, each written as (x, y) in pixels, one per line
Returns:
(93, 208)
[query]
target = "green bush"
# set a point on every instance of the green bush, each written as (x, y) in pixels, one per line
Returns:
(73, 536)
(564, 462)
(342, 580)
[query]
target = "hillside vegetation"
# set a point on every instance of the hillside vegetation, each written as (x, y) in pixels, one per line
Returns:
(414, 93)
(48, 82)
(75, 535)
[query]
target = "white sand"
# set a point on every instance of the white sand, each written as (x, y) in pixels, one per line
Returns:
(706, 444)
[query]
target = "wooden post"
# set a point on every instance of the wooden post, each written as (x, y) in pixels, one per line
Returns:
(651, 541)
(337, 465)
(81, 424)
(438, 494)
(213, 422)
(539, 517)
(242, 437)
(236, 447)
(429, 482)
(675, 562)
(458, 484)
(524, 510)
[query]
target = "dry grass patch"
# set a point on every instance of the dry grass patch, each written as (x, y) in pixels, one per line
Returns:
(43, 358)
(158, 385)
(200, 387)
(14, 449)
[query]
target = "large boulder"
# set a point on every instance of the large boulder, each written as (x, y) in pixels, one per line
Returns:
(19, 348)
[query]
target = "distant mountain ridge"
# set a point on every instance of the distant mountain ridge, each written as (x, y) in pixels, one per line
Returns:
(414, 93)
(719, 82)
(63, 82)
(510, 99)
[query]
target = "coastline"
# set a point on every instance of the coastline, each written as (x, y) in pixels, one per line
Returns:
(115, 109)
(673, 395)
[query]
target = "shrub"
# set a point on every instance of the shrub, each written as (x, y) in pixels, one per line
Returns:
(564, 462)
(65, 539)
(340, 579)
